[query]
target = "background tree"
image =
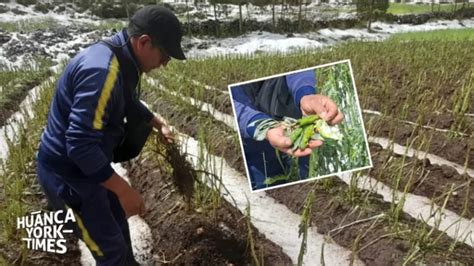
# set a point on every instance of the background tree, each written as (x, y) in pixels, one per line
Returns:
(370, 9)
(300, 4)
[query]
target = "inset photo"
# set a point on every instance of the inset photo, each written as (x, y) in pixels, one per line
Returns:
(300, 126)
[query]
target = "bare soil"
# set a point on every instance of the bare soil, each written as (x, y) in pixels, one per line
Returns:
(431, 181)
(183, 235)
(459, 150)
(332, 209)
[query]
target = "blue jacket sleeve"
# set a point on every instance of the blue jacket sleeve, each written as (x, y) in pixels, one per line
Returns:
(146, 113)
(301, 84)
(90, 109)
(245, 111)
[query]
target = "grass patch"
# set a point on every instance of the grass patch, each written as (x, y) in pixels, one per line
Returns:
(404, 9)
(401, 79)
(17, 82)
(18, 195)
(47, 23)
(108, 24)
(30, 25)
(436, 35)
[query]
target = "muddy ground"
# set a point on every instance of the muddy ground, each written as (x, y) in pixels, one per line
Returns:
(454, 149)
(431, 181)
(10, 105)
(332, 208)
(185, 235)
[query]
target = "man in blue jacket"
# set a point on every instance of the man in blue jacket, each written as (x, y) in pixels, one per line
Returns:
(86, 124)
(293, 95)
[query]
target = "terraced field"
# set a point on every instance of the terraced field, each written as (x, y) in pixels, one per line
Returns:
(414, 206)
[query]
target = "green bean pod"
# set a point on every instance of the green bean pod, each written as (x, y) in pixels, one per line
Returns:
(308, 132)
(294, 136)
(307, 120)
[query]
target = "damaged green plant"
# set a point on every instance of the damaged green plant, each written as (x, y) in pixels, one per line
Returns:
(304, 225)
(300, 131)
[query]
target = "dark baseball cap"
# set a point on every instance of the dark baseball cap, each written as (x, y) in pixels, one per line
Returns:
(162, 25)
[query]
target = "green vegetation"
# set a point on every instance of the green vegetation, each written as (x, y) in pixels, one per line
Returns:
(305, 223)
(351, 151)
(17, 82)
(370, 9)
(30, 24)
(108, 24)
(413, 80)
(403, 9)
(47, 23)
(417, 69)
(404, 77)
(18, 195)
(436, 35)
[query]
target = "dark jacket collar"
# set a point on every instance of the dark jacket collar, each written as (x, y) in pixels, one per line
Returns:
(122, 39)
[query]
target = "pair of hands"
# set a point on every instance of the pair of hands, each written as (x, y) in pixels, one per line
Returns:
(309, 104)
(130, 199)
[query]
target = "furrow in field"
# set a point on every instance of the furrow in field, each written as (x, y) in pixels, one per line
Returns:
(399, 149)
(420, 208)
(410, 152)
(7, 132)
(377, 113)
(274, 220)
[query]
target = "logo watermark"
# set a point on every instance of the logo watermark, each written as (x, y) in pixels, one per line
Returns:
(45, 230)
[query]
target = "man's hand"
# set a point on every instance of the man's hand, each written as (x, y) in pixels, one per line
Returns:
(322, 106)
(276, 137)
(165, 133)
(130, 199)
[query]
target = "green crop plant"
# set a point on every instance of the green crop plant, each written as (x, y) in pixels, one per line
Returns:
(423, 238)
(462, 100)
(397, 204)
(210, 182)
(350, 151)
(414, 80)
(353, 195)
(300, 131)
(15, 82)
(16, 173)
(380, 80)
(251, 239)
(305, 223)
(436, 35)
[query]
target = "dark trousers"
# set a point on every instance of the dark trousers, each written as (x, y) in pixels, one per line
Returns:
(262, 162)
(100, 219)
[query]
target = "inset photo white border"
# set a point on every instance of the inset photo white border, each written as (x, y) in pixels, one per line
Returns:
(359, 109)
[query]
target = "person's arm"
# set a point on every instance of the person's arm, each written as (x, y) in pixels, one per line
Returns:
(245, 111)
(94, 93)
(146, 114)
(156, 122)
(130, 199)
(301, 84)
